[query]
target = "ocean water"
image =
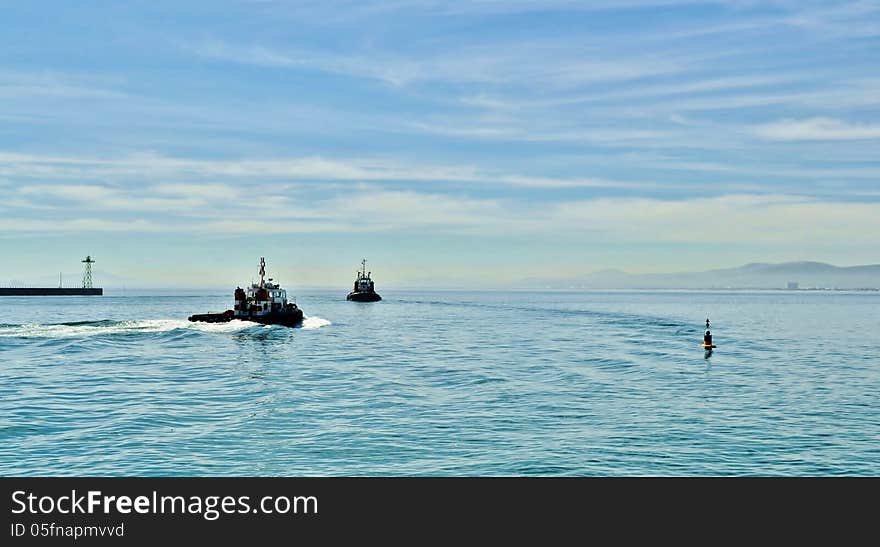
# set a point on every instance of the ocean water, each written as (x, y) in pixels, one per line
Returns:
(445, 383)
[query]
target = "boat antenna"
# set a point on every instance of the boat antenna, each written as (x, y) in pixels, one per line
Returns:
(262, 272)
(364, 266)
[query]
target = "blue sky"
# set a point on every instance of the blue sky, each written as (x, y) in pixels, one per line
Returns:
(450, 142)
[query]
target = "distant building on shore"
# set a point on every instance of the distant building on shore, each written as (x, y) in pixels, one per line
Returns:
(792, 285)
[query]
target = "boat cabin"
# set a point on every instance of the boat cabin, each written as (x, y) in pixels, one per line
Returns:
(260, 298)
(363, 283)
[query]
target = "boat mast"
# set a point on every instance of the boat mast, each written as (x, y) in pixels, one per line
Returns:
(364, 267)
(262, 272)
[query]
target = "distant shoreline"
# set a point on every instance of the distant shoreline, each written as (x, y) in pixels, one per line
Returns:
(305, 291)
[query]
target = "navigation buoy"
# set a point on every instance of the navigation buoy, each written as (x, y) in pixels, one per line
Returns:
(707, 338)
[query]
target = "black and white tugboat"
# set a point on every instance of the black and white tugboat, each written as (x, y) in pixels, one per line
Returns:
(264, 302)
(364, 290)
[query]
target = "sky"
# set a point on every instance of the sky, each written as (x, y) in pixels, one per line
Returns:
(450, 143)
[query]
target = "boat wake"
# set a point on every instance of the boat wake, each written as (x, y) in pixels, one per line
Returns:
(310, 323)
(86, 329)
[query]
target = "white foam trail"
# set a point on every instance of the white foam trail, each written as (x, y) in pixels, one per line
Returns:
(232, 326)
(310, 323)
(37, 330)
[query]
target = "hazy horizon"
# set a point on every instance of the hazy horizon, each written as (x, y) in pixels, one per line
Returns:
(743, 278)
(459, 143)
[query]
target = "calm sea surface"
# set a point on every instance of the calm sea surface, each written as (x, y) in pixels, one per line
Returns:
(445, 383)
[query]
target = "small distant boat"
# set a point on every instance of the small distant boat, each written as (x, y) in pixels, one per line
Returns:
(264, 302)
(364, 288)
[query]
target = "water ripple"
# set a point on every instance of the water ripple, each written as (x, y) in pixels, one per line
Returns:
(444, 383)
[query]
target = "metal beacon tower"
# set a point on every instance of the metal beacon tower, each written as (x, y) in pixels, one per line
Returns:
(87, 272)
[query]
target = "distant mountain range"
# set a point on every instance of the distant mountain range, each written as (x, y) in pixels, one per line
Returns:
(801, 275)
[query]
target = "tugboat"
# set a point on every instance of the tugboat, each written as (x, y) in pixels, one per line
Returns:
(363, 286)
(264, 302)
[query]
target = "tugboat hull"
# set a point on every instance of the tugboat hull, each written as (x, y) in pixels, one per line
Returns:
(286, 319)
(363, 297)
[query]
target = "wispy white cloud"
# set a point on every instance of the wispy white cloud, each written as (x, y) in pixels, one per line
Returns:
(458, 118)
(855, 167)
(849, 19)
(56, 85)
(642, 92)
(813, 89)
(834, 98)
(360, 9)
(406, 209)
(106, 198)
(293, 170)
(79, 225)
(517, 64)
(741, 219)
(817, 129)
(521, 132)
(735, 219)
